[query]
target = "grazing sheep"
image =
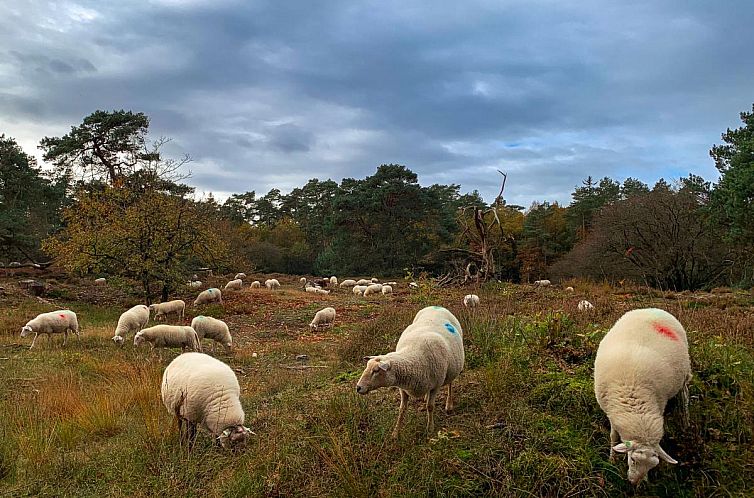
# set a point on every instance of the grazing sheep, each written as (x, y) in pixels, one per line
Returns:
(209, 296)
(392, 284)
(375, 280)
(359, 289)
(302, 280)
(372, 289)
(387, 289)
(234, 284)
(429, 355)
(162, 310)
(471, 300)
(169, 336)
(569, 289)
(641, 363)
(239, 275)
(585, 306)
(542, 283)
(195, 284)
(348, 283)
(364, 281)
(203, 391)
(323, 317)
(132, 320)
(256, 284)
(214, 329)
(321, 291)
(333, 281)
(272, 284)
(100, 281)
(54, 322)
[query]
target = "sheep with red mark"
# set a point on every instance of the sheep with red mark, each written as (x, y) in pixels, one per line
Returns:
(54, 322)
(641, 363)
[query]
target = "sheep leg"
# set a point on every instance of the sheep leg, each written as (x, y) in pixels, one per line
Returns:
(449, 404)
(33, 340)
(684, 402)
(401, 413)
(431, 411)
(65, 337)
(614, 437)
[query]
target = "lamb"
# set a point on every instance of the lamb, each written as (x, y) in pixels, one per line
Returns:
(162, 310)
(641, 363)
(209, 296)
(348, 283)
(100, 281)
(234, 284)
(256, 284)
(323, 317)
(54, 322)
(203, 391)
(132, 320)
(387, 289)
(471, 300)
(429, 355)
(169, 336)
(212, 328)
(373, 289)
(542, 283)
(585, 305)
(359, 289)
(239, 276)
(272, 284)
(364, 281)
(333, 281)
(195, 284)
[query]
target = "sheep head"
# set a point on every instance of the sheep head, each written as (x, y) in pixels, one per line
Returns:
(378, 373)
(118, 340)
(235, 437)
(138, 339)
(26, 330)
(642, 458)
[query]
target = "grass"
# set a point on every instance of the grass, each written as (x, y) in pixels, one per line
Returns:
(87, 420)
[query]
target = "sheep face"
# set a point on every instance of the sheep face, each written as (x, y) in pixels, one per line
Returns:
(641, 459)
(235, 438)
(138, 339)
(377, 374)
(26, 330)
(118, 340)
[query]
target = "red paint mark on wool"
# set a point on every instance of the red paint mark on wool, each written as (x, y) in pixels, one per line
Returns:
(666, 331)
(62, 315)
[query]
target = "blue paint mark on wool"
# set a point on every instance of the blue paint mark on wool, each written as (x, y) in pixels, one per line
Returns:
(437, 308)
(450, 328)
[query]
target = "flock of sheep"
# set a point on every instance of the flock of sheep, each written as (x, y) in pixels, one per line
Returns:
(641, 363)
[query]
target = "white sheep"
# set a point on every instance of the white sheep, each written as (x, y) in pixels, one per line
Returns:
(272, 284)
(311, 289)
(302, 280)
(239, 276)
(203, 391)
(132, 320)
(585, 305)
(209, 296)
(348, 283)
(162, 310)
(392, 284)
(372, 289)
(471, 300)
(542, 283)
(100, 281)
(256, 284)
(413, 285)
(194, 284)
(641, 363)
(429, 355)
(359, 289)
(323, 317)
(333, 281)
(569, 289)
(234, 284)
(321, 291)
(212, 328)
(54, 322)
(387, 289)
(364, 281)
(169, 336)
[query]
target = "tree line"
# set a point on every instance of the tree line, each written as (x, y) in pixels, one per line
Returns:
(111, 204)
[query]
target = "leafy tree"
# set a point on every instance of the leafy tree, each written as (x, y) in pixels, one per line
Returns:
(631, 187)
(29, 202)
(589, 199)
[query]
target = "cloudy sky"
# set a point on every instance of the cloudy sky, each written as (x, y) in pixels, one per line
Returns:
(270, 94)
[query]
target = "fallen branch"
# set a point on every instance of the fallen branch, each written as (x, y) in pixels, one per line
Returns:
(304, 367)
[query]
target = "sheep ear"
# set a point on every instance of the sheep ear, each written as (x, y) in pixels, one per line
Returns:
(385, 365)
(622, 447)
(661, 453)
(367, 358)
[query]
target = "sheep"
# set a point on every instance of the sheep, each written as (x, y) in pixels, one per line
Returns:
(569, 289)
(100, 281)
(169, 336)
(209, 296)
(387, 289)
(234, 284)
(585, 306)
(429, 355)
(54, 322)
(471, 300)
(323, 317)
(413, 285)
(256, 284)
(392, 284)
(542, 283)
(372, 289)
(359, 289)
(641, 363)
(272, 284)
(203, 391)
(348, 283)
(239, 276)
(162, 310)
(333, 281)
(132, 320)
(195, 284)
(302, 280)
(375, 280)
(321, 291)
(312, 289)
(212, 328)
(364, 281)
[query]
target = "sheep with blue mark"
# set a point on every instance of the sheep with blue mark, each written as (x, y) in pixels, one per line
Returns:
(428, 356)
(209, 296)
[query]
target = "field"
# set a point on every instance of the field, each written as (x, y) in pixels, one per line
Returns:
(87, 420)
